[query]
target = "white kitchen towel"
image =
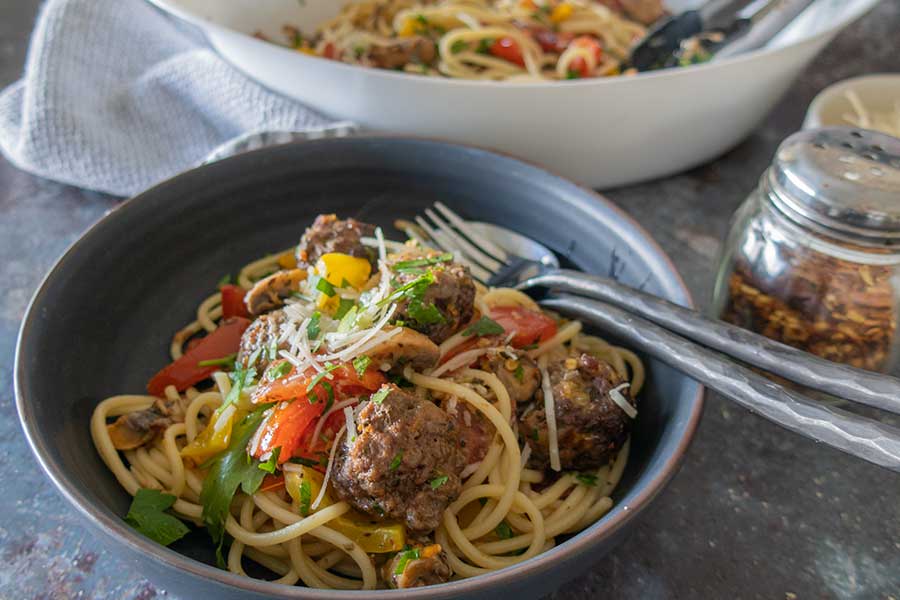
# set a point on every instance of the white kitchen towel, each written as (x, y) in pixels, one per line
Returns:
(115, 98)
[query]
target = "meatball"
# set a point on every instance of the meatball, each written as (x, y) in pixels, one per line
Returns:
(591, 427)
(329, 234)
(404, 463)
(441, 303)
(270, 292)
(262, 333)
(475, 432)
(416, 50)
(419, 566)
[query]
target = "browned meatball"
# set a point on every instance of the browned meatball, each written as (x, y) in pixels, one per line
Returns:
(270, 292)
(591, 427)
(329, 234)
(416, 50)
(404, 463)
(430, 568)
(441, 303)
(262, 333)
(475, 432)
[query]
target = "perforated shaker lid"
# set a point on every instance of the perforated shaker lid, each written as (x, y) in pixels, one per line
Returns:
(845, 181)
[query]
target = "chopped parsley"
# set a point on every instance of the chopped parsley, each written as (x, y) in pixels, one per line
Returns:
(149, 517)
(273, 351)
(439, 481)
(400, 381)
(324, 286)
(458, 46)
(330, 391)
(218, 362)
(398, 459)
(504, 531)
(405, 265)
(421, 19)
(348, 320)
(305, 498)
(588, 479)
(240, 378)
(425, 314)
(573, 75)
(306, 462)
(360, 364)
(413, 290)
(312, 330)
(379, 396)
(226, 279)
(329, 367)
(278, 371)
(269, 465)
(484, 326)
(484, 46)
(344, 306)
(405, 557)
(535, 435)
(519, 373)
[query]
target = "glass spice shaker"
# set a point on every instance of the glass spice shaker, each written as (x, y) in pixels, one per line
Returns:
(813, 255)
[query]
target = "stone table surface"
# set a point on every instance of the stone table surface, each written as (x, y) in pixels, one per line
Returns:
(755, 512)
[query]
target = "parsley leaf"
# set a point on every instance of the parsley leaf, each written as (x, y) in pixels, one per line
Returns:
(324, 286)
(425, 314)
(414, 290)
(344, 306)
(348, 320)
(408, 555)
(329, 367)
(278, 371)
(458, 46)
(269, 465)
(397, 461)
(147, 515)
(273, 351)
(306, 462)
(240, 377)
(305, 498)
(360, 364)
(484, 326)
(400, 381)
(404, 265)
(519, 373)
(227, 471)
(504, 531)
(588, 479)
(573, 75)
(379, 396)
(439, 481)
(226, 279)
(218, 362)
(312, 330)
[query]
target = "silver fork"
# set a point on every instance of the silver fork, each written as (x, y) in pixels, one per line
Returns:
(687, 340)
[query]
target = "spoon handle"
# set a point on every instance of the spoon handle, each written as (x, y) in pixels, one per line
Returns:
(849, 383)
(867, 439)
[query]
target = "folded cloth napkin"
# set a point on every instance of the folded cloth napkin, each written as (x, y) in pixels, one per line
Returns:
(116, 98)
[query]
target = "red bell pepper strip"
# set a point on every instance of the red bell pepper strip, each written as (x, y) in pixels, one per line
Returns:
(233, 302)
(186, 371)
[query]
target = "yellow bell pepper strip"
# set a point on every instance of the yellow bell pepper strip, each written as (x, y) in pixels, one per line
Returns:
(287, 260)
(561, 12)
(214, 439)
(374, 537)
(340, 270)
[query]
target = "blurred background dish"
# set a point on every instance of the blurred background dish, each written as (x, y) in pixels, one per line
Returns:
(869, 101)
(600, 132)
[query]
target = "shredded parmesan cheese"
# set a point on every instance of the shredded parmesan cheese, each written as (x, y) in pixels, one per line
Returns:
(321, 423)
(327, 478)
(550, 412)
(526, 454)
(469, 470)
(351, 425)
(463, 359)
(382, 251)
(616, 395)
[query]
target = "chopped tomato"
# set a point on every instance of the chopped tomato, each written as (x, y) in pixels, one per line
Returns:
(186, 371)
(468, 344)
(285, 426)
(552, 41)
(507, 49)
(233, 302)
(579, 65)
(270, 483)
(291, 425)
(330, 51)
(531, 327)
(329, 430)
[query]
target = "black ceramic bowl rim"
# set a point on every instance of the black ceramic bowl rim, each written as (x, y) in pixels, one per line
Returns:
(581, 543)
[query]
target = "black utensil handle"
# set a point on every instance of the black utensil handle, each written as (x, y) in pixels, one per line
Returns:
(849, 383)
(864, 438)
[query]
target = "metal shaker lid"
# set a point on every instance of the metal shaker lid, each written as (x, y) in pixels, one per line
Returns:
(840, 181)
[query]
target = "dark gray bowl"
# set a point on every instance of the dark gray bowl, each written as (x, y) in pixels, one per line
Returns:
(100, 323)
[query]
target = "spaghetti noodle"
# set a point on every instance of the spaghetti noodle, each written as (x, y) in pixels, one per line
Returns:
(297, 521)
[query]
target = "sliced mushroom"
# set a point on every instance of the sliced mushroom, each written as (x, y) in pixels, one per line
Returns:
(138, 428)
(409, 347)
(270, 292)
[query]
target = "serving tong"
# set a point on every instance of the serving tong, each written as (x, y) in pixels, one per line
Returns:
(723, 28)
(711, 351)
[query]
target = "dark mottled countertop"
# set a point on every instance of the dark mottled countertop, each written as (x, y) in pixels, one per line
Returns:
(754, 513)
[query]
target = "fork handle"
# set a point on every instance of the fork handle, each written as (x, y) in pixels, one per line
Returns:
(867, 439)
(849, 383)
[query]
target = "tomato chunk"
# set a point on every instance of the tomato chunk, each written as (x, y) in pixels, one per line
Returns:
(285, 426)
(579, 65)
(507, 49)
(186, 371)
(233, 302)
(530, 327)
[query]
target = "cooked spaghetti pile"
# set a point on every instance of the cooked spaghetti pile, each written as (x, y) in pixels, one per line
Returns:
(360, 413)
(485, 39)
